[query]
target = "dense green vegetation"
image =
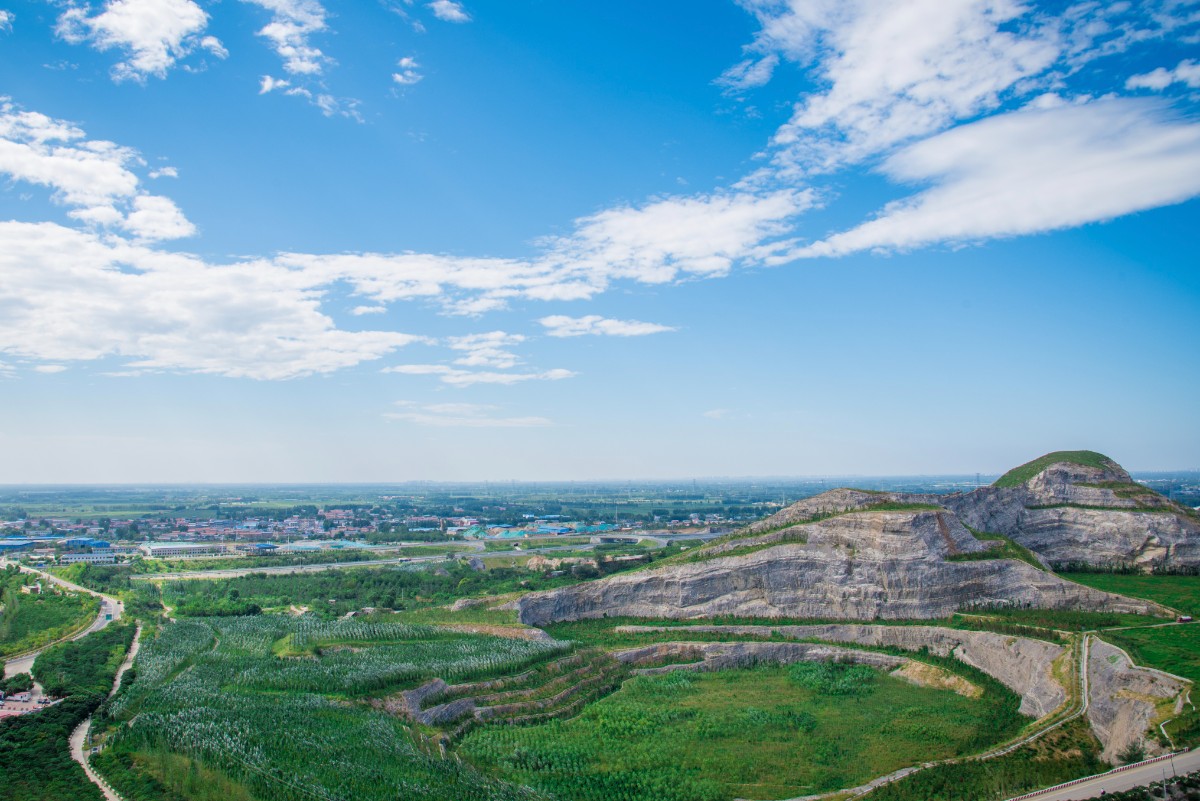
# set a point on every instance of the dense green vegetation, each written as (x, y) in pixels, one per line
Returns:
(29, 621)
(1065, 754)
(1175, 592)
(18, 683)
(35, 756)
(253, 699)
(1019, 475)
(335, 592)
(159, 775)
(686, 736)
(85, 666)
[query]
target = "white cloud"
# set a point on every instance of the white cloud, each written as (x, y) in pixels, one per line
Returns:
(270, 84)
(164, 172)
(461, 415)
(157, 217)
(1185, 72)
(213, 45)
(669, 238)
(559, 325)
(292, 26)
(154, 34)
(466, 378)
(890, 71)
(409, 72)
(1033, 170)
(6, 20)
(449, 11)
(70, 295)
(50, 368)
(358, 311)
(716, 414)
(90, 175)
(487, 350)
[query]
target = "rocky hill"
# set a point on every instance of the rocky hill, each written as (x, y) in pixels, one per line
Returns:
(862, 555)
(1080, 507)
(882, 562)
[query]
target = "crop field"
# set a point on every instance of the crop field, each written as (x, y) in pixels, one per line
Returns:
(30, 621)
(220, 693)
(766, 732)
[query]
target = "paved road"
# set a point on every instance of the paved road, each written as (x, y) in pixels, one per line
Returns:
(79, 736)
(1126, 780)
(108, 605)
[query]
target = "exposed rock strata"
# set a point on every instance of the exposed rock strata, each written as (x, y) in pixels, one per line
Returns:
(1123, 700)
(1021, 664)
(1066, 515)
(726, 655)
(842, 499)
(858, 566)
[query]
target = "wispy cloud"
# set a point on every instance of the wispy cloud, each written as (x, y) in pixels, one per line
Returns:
(716, 414)
(6, 20)
(290, 31)
(1185, 72)
(1032, 170)
(50, 368)
(153, 34)
(461, 415)
(559, 325)
(487, 350)
(465, 378)
(449, 11)
(408, 72)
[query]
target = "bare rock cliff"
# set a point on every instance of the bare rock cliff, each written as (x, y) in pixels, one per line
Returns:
(857, 566)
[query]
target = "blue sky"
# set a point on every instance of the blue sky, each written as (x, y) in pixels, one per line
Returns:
(287, 240)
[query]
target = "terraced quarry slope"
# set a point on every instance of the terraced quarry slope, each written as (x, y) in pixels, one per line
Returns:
(885, 562)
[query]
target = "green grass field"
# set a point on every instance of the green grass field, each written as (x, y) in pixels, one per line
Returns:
(767, 732)
(30, 621)
(1177, 592)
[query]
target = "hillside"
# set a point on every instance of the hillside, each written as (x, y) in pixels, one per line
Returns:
(858, 565)
(1082, 508)
(1022, 473)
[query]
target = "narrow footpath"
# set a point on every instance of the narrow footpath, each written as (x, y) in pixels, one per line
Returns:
(80, 735)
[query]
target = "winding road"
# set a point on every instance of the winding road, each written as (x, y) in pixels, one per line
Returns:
(80, 735)
(111, 609)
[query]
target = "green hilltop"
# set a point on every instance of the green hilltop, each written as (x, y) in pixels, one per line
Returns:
(1019, 475)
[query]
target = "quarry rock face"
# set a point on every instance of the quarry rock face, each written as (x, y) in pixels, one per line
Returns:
(872, 565)
(1125, 700)
(1077, 514)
